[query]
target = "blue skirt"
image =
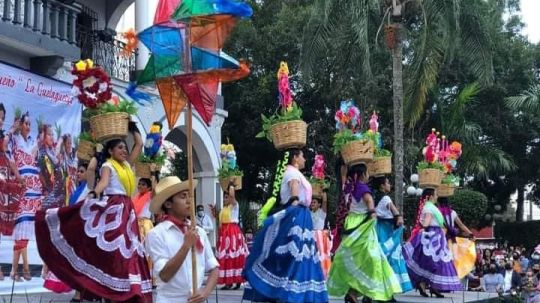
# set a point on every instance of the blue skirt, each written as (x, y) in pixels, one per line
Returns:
(283, 263)
(390, 241)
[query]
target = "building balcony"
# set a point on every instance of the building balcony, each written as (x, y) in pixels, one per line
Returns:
(40, 28)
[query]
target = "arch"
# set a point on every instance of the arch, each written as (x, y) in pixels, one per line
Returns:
(115, 11)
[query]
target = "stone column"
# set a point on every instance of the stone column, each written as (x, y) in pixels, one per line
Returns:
(143, 19)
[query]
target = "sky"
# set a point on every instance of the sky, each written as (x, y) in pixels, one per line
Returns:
(529, 12)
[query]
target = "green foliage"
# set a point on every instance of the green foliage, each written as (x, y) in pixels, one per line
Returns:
(426, 165)
(248, 216)
(283, 115)
(470, 206)
(224, 172)
(325, 183)
(158, 159)
(341, 138)
(451, 179)
(179, 166)
(86, 136)
(124, 106)
(519, 233)
(381, 153)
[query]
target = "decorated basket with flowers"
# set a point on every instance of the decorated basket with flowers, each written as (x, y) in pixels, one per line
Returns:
(152, 155)
(94, 90)
(317, 180)
(229, 173)
(382, 158)
(86, 146)
(355, 147)
(430, 170)
(448, 157)
(285, 128)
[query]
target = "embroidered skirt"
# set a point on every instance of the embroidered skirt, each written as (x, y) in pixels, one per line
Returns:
(231, 253)
(429, 260)
(53, 284)
(324, 246)
(94, 247)
(464, 253)
(360, 263)
(390, 241)
(283, 264)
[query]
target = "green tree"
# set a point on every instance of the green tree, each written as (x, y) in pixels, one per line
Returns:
(469, 204)
(429, 32)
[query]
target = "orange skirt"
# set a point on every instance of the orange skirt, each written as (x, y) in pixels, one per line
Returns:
(324, 246)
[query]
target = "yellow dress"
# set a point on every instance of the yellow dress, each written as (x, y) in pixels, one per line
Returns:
(464, 252)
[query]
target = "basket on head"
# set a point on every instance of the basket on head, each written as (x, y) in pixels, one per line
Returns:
(289, 134)
(380, 166)
(430, 178)
(110, 125)
(445, 190)
(236, 181)
(317, 190)
(85, 150)
(358, 151)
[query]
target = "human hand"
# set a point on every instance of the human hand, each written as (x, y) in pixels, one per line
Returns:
(373, 215)
(190, 237)
(198, 297)
(399, 221)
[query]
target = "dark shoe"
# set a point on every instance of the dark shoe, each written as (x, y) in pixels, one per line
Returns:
(237, 286)
(366, 300)
(226, 287)
(350, 299)
(436, 293)
(422, 292)
(393, 300)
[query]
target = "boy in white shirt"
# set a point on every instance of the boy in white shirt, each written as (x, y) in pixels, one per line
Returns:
(170, 244)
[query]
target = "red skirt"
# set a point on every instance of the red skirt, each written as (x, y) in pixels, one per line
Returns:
(53, 284)
(94, 247)
(232, 253)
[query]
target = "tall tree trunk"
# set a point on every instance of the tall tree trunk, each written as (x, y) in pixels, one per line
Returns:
(397, 88)
(520, 201)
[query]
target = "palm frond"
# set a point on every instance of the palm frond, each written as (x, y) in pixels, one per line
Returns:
(528, 100)
(485, 161)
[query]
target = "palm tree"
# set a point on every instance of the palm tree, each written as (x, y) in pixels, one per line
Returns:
(528, 101)
(425, 34)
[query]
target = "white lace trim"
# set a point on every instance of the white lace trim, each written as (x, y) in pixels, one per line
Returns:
(98, 231)
(230, 273)
(307, 252)
(233, 249)
(285, 283)
(302, 233)
(89, 270)
(430, 241)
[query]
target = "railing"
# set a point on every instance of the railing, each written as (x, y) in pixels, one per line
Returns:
(108, 53)
(50, 17)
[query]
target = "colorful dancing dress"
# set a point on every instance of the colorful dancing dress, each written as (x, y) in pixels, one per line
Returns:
(284, 263)
(390, 239)
(232, 248)
(322, 238)
(427, 256)
(94, 246)
(359, 262)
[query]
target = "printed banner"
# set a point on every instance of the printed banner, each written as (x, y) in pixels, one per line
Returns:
(39, 121)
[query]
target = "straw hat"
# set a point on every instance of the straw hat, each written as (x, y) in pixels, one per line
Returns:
(166, 188)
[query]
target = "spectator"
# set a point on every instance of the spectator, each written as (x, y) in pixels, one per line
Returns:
(524, 261)
(529, 283)
(492, 281)
(203, 220)
(536, 271)
(512, 280)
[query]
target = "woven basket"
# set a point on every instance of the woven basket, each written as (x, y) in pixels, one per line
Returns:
(143, 170)
(380, 166)
(85, 150)
(317, 189)
(445, 190)
(290, 134)
(236, 180)
(357, 151)
(430, 178)
(110, 126)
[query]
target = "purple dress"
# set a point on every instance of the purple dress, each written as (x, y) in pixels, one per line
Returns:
(427, 255)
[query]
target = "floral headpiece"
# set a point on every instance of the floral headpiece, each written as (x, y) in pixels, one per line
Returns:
(92, 85)
(348, 116)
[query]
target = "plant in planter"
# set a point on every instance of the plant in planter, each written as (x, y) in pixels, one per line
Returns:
(317, 179)
(382, 158)
(86, 146)
(152, 152)
(94, 90)
(229, 172)
(285, 128)
(430, 170)
(355, 147)
(448, 158)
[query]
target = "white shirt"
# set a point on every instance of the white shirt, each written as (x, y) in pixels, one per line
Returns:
(292, 173)
(162, 243)
(507, 281)
(383, 208)
(205, 223)
(318, 218)
(115, 187)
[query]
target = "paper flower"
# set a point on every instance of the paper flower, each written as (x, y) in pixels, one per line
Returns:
(285, 94)
(348, 116)
(318, 167)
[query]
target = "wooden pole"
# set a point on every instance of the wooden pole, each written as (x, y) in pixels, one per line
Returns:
(191, 191)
